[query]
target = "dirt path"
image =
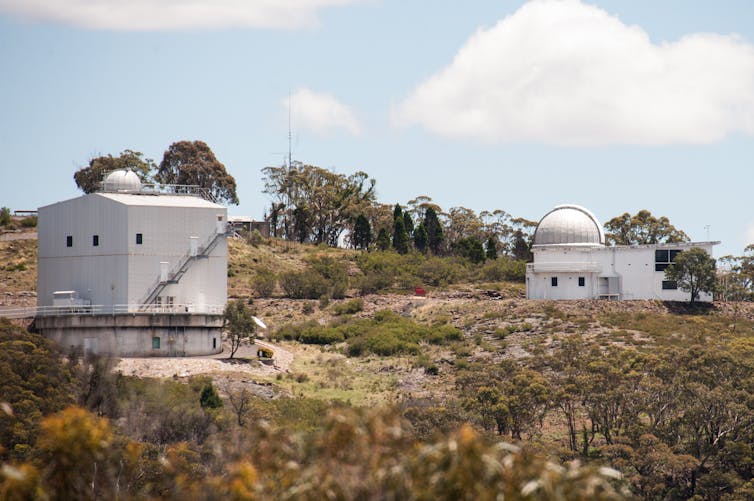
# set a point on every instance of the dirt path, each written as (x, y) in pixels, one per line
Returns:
(245, 362)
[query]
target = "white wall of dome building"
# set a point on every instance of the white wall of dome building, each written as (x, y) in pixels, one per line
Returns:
(571, 261)
(113, 250)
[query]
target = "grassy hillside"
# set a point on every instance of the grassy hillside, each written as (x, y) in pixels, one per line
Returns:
(660, 391)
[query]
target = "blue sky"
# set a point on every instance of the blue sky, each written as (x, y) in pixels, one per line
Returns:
(520, 106)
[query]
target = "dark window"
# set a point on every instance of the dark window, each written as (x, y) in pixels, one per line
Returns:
(69, 241)
(554, 281)
(95, 240)
(139, 239)
(664, 257)
(582, 281)
(155, 343)
(214, 343)
(669, 285)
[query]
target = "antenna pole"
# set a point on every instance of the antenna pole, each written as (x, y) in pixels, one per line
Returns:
(289, 129)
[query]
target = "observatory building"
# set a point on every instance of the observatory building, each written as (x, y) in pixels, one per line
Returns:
(571, 261)
(133, 271)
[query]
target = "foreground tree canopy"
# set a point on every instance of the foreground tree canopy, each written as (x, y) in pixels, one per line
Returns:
(642, 228)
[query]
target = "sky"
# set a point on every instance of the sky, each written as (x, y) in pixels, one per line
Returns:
(614, 105)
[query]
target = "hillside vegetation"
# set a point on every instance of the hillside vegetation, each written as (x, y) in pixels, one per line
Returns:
(391, 395)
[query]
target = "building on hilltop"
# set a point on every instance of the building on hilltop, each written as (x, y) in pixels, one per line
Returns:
(571, 261)
(133, 271)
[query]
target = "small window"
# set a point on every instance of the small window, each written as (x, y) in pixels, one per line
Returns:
(554, 281)
(582, 282)
(669, 285)
(214, 343)
(139, 239)
(69, 241)
(155, 343)
(95, 241)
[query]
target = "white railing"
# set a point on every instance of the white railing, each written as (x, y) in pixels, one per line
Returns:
(114, 309)
(564, 267)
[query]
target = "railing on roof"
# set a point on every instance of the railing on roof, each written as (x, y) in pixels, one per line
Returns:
(572, 267)
(191, 190)
(112, 309)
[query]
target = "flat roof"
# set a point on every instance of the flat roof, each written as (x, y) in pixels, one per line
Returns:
(160, 200)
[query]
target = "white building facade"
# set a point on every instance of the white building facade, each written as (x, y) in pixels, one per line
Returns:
(571, 261)
(127, 252)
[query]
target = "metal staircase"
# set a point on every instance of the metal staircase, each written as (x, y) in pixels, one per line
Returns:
(180, 269)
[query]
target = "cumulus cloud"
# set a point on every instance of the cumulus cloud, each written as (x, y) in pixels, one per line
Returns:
(148, 15)
(321, 113)
(567, 73)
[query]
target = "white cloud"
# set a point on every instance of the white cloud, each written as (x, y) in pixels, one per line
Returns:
(564, 72)
(147, 15)
(321, 113)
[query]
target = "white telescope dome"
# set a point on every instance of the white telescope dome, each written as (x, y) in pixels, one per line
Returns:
(569, 225)
(122, 180)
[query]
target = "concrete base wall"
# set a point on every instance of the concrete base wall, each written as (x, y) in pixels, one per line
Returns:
(136, 335)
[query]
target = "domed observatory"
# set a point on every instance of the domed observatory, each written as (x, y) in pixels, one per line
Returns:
(569, 225)
(131, 271)
(122, 181)
(571, 261)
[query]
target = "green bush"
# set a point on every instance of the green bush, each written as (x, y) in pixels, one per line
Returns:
(307, 284)
(4, 216)
(310, 333)
(349, 308)
(375, 281)
(264, 283)
(29, 222)
(335, 273)
(441, 271)
(387, 334)
(503, 269)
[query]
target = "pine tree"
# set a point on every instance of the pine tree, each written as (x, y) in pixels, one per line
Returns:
(362, 233)
(491, 248)
(400, 237)
(397, 212)
(409, 224)
(383, 240)
(420, 238)
(434, 230)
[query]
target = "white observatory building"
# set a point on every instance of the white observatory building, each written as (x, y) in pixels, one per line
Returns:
(571, 261)
(133, 271)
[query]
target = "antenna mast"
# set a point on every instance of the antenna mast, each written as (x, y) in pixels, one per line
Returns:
(289, 129)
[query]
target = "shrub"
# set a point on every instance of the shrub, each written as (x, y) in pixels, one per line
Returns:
(440, 271)
(375, 281)
(387, 334)
(349, 308)
(307, 284)
(504, 269)
(4, 216)
(29, 222)
(209, 399)
(264, 283)
(335, 273)
(310, 333)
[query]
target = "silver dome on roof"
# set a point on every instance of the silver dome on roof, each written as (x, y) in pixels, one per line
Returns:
(122, 181)
(569, 225)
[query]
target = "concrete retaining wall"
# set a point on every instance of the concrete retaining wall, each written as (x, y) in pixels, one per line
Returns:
(136, 335)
